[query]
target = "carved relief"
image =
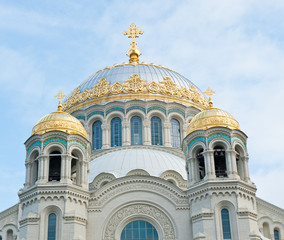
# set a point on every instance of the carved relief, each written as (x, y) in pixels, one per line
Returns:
(140, 209)
(135, 85)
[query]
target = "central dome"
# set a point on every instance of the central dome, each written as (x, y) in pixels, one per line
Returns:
(147, 72)
(135, 81)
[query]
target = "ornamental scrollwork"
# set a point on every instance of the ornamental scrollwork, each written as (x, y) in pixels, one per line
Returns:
(135, 85)
(139, 209)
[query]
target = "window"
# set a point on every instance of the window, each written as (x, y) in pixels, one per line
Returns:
(226, 224)
(156, 131)
(34, 173)
(116, 138)
(51, 231)
(276, 234)
(266, 230)
(201, 164)
(220, 162)
(97, 135)
(139, 230)
(136, 131)
(10, 235)
(175, 133)
(54, 166)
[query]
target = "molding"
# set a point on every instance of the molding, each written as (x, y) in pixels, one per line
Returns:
(8, 212)
(140, 209)
(138, 183)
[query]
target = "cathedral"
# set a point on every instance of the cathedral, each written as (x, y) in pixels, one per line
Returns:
(138, 152)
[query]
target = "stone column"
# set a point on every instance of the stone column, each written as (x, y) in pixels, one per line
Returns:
(43, 169)
(147, 132)
(125, 133)
(65, 175)
(232, 169)
(28, 174)
(167, 134)
(209, 164)
(192, 179)
(84, 174)
(246, 168)
(105, 135)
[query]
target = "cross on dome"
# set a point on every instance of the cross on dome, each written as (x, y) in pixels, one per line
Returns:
(133, 51)
(133, 32)
(209, 92)
(59, 96)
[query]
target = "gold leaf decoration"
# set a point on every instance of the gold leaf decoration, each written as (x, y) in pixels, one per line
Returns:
(136, 85)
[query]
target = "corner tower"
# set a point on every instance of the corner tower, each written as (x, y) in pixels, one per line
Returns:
(221, 195)
(56, 179)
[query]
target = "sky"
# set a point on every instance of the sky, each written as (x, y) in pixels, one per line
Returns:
(234, 46)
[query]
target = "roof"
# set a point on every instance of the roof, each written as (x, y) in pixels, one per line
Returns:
(120, 162)
(148, 72)
(135, 81)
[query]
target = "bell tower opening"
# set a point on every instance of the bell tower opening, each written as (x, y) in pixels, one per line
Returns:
(201, 164)
(220, 161)
(54, 166)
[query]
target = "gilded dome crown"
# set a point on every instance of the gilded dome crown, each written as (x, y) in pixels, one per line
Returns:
(59, 121)
(135, 81)
(212, 117)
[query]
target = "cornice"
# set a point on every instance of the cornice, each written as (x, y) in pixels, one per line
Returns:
(138, 183)
(9, 211)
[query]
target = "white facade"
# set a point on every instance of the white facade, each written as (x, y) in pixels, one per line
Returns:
(180, 191)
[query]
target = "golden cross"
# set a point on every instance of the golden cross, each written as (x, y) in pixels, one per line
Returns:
(133, 32)
(60, 95)
(209, 92)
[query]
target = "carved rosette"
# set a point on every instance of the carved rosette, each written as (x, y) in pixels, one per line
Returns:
(143, 210)
(136, 85)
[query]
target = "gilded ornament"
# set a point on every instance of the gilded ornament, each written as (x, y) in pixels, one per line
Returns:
(116, 88)
(136, 85)
(101, 88)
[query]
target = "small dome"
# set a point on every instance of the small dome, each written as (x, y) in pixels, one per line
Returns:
(59, 121)
(121, 162)
(213, 117)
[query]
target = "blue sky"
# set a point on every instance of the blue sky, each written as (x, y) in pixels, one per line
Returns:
(235, 47)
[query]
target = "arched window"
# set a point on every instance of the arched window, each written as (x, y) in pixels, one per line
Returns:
(116, 137)
(139, 230)
(220, 161)
(136, 131)
(10, 235)
(51, 231)
(266, 230)
(97, 135)
(34, 174)
(226, 224)
(75, 170)
(54, 166)
(240, 162)
(276, 234)
(156, 131)
(201, 164)
(175, 133)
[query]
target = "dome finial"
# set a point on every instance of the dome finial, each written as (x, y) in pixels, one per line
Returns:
(209, 92)
(59, 96)
(133, 51)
